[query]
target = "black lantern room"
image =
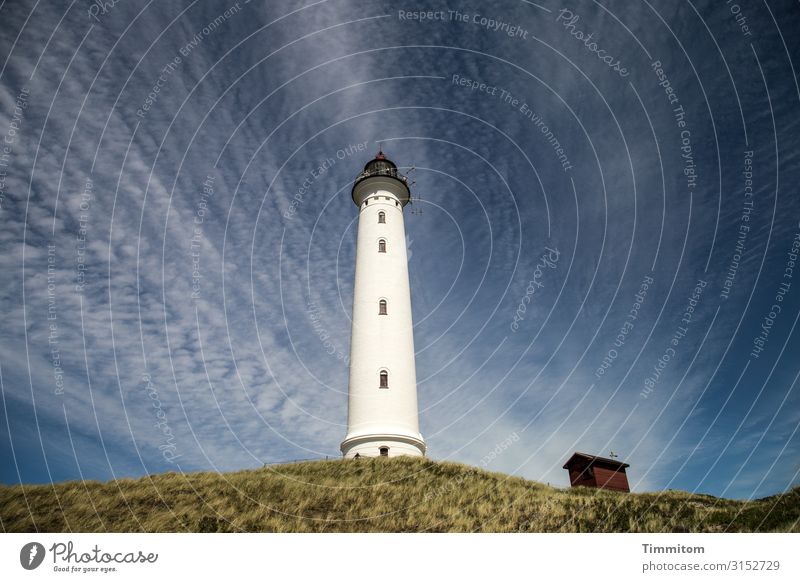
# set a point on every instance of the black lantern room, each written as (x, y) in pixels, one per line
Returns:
(382, 167)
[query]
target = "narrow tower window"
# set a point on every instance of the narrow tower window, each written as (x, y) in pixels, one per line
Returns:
(382, 307)
(384, 451)
(381, 246)
(384, 379)
(382, 217)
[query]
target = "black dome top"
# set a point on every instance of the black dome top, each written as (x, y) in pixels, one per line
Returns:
(381, 166)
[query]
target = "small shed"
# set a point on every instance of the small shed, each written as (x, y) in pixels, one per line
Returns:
(600, 472)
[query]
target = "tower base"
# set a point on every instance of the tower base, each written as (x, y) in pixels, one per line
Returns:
(386, 445)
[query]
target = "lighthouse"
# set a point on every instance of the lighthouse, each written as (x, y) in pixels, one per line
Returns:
(383, 418)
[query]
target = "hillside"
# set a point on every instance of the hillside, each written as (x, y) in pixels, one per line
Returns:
(373, 495)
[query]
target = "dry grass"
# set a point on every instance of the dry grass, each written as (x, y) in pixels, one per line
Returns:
(373, 495)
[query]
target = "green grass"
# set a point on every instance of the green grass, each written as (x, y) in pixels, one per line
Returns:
(373, 495)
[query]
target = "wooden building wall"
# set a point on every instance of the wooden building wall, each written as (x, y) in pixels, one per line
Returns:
(610, 479)
(579, 477)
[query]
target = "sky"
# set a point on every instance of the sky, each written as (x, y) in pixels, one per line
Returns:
(602, 241)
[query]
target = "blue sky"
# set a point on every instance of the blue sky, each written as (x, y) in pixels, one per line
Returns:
(178, 239)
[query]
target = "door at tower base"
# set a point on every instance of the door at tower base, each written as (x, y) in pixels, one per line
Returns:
(382, 414)
(375, 445)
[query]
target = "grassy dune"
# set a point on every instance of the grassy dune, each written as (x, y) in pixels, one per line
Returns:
(373, 495)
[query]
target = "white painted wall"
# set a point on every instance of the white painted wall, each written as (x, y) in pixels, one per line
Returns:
(382, 416)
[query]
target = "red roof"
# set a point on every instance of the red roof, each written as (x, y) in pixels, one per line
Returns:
(593, 459)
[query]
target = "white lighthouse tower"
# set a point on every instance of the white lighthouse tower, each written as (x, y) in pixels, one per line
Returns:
(382, 415)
